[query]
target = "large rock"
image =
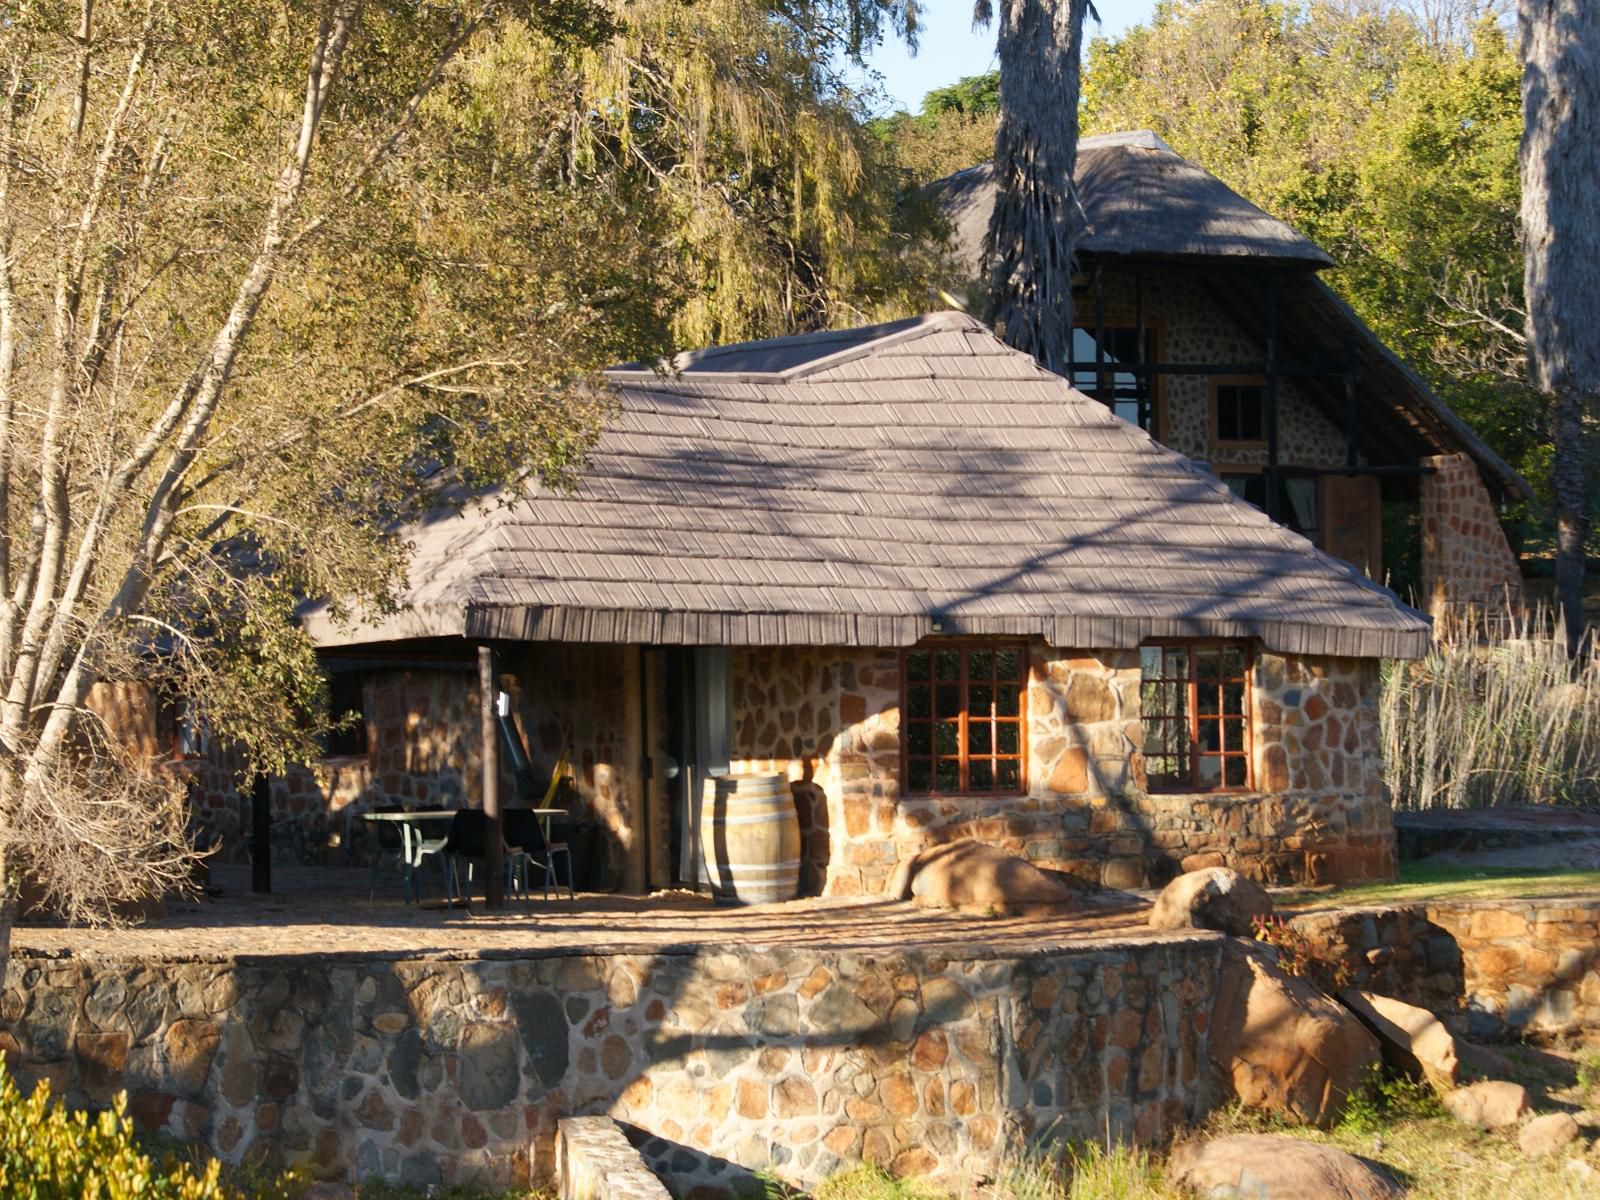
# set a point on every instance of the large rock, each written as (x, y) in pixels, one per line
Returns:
(1488, 1104)
(1260, 1166)
(1280, 1045)
(1547, 1135)
(1213, 898)
(975, 877)
(1413, 1039)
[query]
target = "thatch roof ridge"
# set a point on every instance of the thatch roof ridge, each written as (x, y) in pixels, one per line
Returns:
(1140, 197)
(729, 506)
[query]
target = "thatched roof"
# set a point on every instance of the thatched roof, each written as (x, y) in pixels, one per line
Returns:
(1140, 197)
(870, 488)
(1143, 199)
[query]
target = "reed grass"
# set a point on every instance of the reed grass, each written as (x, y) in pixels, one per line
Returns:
(1495, 714)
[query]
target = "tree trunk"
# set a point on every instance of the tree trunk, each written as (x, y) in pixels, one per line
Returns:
(1037, 219)
(1561, 253)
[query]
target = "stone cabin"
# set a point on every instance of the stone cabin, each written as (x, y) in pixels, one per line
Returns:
(941, 589)
(1202, 320)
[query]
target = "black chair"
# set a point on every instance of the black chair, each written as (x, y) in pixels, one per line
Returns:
(466, 840)
(524, 834)
(388, 840)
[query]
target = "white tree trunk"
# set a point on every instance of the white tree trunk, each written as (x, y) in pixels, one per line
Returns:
(1561, 249)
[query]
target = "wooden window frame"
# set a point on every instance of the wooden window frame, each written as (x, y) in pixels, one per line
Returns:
(333, 751)
(966, 647)
(1215, 414)
(1193, 717)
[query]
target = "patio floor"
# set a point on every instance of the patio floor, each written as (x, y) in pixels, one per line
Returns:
(326, 912)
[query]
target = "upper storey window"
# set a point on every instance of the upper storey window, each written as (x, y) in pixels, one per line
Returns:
(1131, 395)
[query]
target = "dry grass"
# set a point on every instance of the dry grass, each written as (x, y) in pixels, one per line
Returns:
(1494, 715)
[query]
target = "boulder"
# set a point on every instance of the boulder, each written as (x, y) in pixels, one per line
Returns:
(1280, 1045)
(975, 877)
(1212, 898)
(1481, 1062)
(1547, 1135)
(1261, 1166)
(1413, 1039)
(1488, 1104)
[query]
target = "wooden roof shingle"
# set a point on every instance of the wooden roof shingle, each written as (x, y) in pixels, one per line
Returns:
(794, 504)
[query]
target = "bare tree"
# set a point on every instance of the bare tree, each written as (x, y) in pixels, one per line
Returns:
(1037, 219)
(1561, 252)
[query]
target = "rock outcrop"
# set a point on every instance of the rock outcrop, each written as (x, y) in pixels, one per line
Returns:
(1488, 1104)
(1413, 1039)
(1258, 1166)
(1212, 898)
(1280, 1045)
(975, 877)
(1547, 1135)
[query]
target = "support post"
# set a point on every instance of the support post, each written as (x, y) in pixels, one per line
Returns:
(494, 870)
(1273, 505)
(261, 835)
(1351, 457)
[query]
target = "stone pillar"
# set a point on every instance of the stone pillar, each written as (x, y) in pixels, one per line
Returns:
(1467, 563)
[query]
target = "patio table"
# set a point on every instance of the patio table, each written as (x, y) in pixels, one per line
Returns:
(411, 839)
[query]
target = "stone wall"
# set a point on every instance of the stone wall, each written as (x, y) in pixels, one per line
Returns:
(1492, 968)
(830, 720)
(436, 1071)
(1467, 564)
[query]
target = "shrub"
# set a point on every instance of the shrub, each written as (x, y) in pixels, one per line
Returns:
(1495, 714)
(1296, 956)
(1086, 1171)
(1385, 1098)
(48, 1152)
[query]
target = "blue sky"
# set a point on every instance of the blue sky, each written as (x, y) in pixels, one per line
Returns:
(951, 48)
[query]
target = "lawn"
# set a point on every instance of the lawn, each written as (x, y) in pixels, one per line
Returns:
(1421, 882)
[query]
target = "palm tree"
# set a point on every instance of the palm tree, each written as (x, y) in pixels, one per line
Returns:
(1034, 230)
(1561, 255)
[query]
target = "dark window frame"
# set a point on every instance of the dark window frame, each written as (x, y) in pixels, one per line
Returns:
(1216, 407)
(964, 720)
(1190, 716)
(1094, 384)
(352, 742)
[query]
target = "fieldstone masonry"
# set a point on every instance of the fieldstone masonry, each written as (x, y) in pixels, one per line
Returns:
(1487, 968)
(1467, 564)
(428, 1070)
(594, 1161)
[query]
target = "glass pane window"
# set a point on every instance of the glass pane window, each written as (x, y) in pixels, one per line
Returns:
(1129, 394)
(1240, 412)
(1297, 499)
(962, 719)
(1194, 703)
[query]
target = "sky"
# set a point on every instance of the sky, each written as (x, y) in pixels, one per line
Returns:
(951, 48)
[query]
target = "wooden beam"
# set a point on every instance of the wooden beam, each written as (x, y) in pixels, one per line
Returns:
(494, 870)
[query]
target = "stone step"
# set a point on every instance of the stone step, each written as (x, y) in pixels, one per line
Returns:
(595, 1161)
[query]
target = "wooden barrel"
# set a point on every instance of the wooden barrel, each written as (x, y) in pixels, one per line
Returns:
(750, 838)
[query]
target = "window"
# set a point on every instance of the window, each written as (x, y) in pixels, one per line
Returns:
(345, 707)
(962, 719)
(180, 727)
(1194, 698)
(1297, 499)
(1239, 413)
(1131, 396)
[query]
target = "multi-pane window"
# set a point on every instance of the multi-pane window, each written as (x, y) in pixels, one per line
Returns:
(962, 719)
(1129, 394)
(1297, 498)
(348, 739)
(1195, 701)
(1241, 409)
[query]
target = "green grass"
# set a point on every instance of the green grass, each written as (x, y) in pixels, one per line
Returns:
(1420, 882)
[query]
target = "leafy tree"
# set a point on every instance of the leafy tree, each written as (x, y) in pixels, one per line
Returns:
(276, 278)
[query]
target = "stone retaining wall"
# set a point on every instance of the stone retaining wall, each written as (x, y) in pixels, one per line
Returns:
(1491, 968)
(428, 1070)
(595, 1161)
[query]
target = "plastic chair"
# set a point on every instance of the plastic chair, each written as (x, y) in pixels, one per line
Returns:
(468, 839)
(524, 833)
(388, 840)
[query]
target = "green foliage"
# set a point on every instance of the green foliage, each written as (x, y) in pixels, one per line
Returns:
(1298, 957)
(1384, 1099)
(869, 1182)
(1589, 1071)
(50, 1153)
(1082, 1171)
